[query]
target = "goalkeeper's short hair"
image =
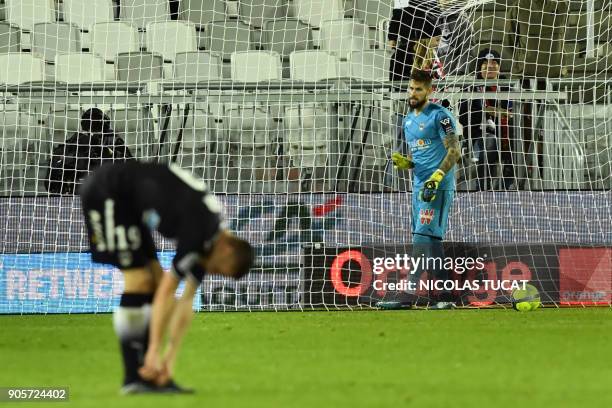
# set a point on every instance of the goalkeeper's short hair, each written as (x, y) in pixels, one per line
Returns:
(424, 77)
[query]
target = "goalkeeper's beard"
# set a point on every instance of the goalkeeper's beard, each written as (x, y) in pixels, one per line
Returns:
(416, 104)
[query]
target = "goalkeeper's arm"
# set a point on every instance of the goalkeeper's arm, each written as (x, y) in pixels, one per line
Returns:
(453, 154)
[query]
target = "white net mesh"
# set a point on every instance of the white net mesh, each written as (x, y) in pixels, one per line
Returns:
(287, 110)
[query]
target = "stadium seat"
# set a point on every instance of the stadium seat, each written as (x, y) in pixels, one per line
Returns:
(134, 126)
(256, 12)
(79, 68)
(341, 37)
(51, 39)
(370, 65)
(26, 13)
(62, 124)
(227, 37)
(18, 133)
(194, 142)
(371, 12)
(86, 13)
(10, 38)
(169, 37)
(314, 12)
(286, 35)
(249, 129)
(255, 66)
(313, 66)
(113, 38)
(17, 68)
(139, 66)
(197, 66)
(307, 135)
(380, 139)
(142, 12)
(202, 12)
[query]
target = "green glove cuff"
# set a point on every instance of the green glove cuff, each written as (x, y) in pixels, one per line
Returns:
(437, 176)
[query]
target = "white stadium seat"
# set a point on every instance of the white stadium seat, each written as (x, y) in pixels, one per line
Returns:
(197, 66)
(17, 68)
(314, 12)
(227, 37)
(286, 35)
(313, 66)
(249, 129)
(256, 12)
(133, 125)
(86, 13)
(307, 135)
(61, 124)
(202, 12)
(26, 13)
(341, 37)
(51, 39)
(170, 37)
(79, 68)
(10, 38)
(18, 131)
(110, 39)
(142, 12)
(139, 67)
(195, 140)
(372, 12)
(370, 65)
(255, 66)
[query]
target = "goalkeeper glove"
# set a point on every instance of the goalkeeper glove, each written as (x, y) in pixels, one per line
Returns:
(401, 162)
(430, 188)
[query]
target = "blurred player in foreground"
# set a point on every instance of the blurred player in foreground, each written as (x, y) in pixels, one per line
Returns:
(430, 132)
(122, 204)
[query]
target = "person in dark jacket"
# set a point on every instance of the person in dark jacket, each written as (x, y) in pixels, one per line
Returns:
(488, 124)
(83, 152)
(413, 25)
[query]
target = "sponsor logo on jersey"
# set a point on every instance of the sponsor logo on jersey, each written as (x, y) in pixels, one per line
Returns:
(426, 216)
(422, 126)
(420, 144)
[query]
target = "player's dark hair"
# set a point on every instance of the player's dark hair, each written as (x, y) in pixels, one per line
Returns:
(244, 256)
(421, 76)
(95, 121)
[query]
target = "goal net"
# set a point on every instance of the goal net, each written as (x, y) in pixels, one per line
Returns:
(289, 110)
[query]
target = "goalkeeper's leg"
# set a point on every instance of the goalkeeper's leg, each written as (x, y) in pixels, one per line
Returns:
(429, 225)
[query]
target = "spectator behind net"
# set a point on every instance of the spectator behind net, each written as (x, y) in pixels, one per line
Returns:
(413, 29)
(488, 123)
(84, 152)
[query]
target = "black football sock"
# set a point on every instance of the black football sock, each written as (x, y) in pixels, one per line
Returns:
(131, 323)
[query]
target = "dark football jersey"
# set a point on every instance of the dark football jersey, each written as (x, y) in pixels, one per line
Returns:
(168, 199)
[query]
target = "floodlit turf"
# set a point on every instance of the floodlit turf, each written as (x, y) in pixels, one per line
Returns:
(461, 358)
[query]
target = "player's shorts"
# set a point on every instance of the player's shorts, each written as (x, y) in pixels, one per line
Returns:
(116, 232)
(431, 218)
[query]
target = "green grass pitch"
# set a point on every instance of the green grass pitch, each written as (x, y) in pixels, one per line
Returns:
(461, 358)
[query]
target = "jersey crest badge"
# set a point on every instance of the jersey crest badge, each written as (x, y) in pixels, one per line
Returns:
(426, 216)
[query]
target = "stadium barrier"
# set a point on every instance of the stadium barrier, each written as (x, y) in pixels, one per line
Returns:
(46, 269)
